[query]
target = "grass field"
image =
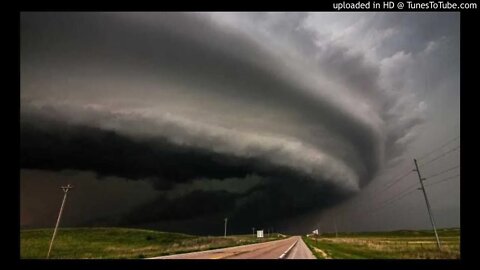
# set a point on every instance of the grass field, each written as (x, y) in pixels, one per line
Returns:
(386, 245)
(120, 243)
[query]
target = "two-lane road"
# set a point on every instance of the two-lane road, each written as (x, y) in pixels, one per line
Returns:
(290, 248)
(300, 251)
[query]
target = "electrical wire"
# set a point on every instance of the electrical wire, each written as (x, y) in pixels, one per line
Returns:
(438, 157)
(442, 172)
(392, 183)
(443, 145)
(443, 180)
(403, 194)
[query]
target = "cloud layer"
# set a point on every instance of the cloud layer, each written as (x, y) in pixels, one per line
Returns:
(187, 101)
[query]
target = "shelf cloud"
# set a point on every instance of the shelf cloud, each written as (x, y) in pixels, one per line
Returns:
(255, 116)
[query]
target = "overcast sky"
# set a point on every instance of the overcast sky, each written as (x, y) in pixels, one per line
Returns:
(294, 121)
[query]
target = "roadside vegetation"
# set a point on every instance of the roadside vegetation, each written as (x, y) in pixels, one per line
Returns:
(403, 244)
(122, 243)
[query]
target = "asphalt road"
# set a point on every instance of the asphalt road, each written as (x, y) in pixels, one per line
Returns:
(290, 248)
(300, 251)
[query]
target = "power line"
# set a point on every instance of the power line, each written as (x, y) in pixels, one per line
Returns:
(442, 172)
(409, 190)
(397, 180)
(395, 197)
(398, 195)
(443, 180)
(401, 197)
(439, 156)
(392, 200)
(443, 145)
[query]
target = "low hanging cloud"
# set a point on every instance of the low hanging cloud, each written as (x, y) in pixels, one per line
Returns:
(189, 102)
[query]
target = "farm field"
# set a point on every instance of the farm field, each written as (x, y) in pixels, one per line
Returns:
(403, 244)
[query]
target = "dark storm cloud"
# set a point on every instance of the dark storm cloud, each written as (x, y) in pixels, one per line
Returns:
(277, 193)
(173, 98)
(176, 55)
(53, 146)
(265, 205)
(90, 202)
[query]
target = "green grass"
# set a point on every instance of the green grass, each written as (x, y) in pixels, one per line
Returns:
(403, 244)
(120, 243)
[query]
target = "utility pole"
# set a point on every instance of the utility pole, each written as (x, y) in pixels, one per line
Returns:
(225, 235)
(426, 201)
(65, 191)
(335, 226)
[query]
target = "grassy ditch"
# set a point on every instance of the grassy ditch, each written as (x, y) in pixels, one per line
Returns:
(121, 243)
